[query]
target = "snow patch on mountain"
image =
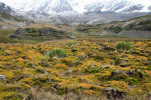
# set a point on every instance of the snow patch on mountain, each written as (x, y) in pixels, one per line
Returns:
(6, 9)
(80, 6)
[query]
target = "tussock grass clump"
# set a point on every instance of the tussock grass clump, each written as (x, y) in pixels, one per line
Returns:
(124, 46)
(59, 53)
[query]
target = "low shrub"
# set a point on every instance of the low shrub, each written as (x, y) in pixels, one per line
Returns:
(57, 53)
(132, 81)
(124, 46)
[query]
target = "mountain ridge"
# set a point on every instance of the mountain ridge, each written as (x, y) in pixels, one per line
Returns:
(50, 6)
(139, 27)
(68, 11)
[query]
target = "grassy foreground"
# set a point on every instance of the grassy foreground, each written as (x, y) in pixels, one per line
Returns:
(87, 69)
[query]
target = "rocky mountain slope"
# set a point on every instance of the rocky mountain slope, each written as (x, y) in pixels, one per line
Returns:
(80, 12)
(10, 21)
(137, 28)
(9, 18)
(40, 34)
(59, 6)
(6, 9)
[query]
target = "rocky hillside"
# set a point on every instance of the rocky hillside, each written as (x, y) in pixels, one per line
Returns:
(137, 28)
(40, 34)
(12, 21)
(7, 13)
(9, 18)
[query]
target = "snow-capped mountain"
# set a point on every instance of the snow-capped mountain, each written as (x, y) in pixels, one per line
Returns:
(41, 6)
(94, 7)
(80, 6)
(120, 6)
(6, 9)
(61, 6)
(80, 11)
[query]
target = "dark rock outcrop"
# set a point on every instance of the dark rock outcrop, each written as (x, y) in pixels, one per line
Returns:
(113, 93)
(42, 34)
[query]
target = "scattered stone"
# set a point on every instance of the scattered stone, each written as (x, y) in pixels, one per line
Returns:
(56, 86)
(13, 36)
(125, 65)
(106, 48)
(105, 67)
(113, 93)
(32, 65)
(30, 30)
(20, 31)
(115, 73)
(72, 36)
(135, 52)
(68, 73)
(77, 62)
(74, 50)
(2, 77)
(135, 73)
(82, 80)
(24, 57)
(41, 70)
(7, 53)
(147, 63)
(93, 66)
(100, 49)
(44, 63)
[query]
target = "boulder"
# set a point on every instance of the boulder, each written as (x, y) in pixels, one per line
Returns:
(44, 63)
(2, 77)
(31, 64)
(74, 50)
(72, 36)
(135, 73)
(107, 48)
(7, 53)
(20, 31)
(115, 73)
(113, 93)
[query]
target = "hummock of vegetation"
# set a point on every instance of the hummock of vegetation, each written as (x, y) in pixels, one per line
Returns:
(124, 46)
(57, 53)
(69, 68)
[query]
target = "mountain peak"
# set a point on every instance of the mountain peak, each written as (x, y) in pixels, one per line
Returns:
(60, 6)
(6, 9)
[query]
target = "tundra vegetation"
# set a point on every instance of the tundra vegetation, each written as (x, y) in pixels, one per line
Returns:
(81, 69)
